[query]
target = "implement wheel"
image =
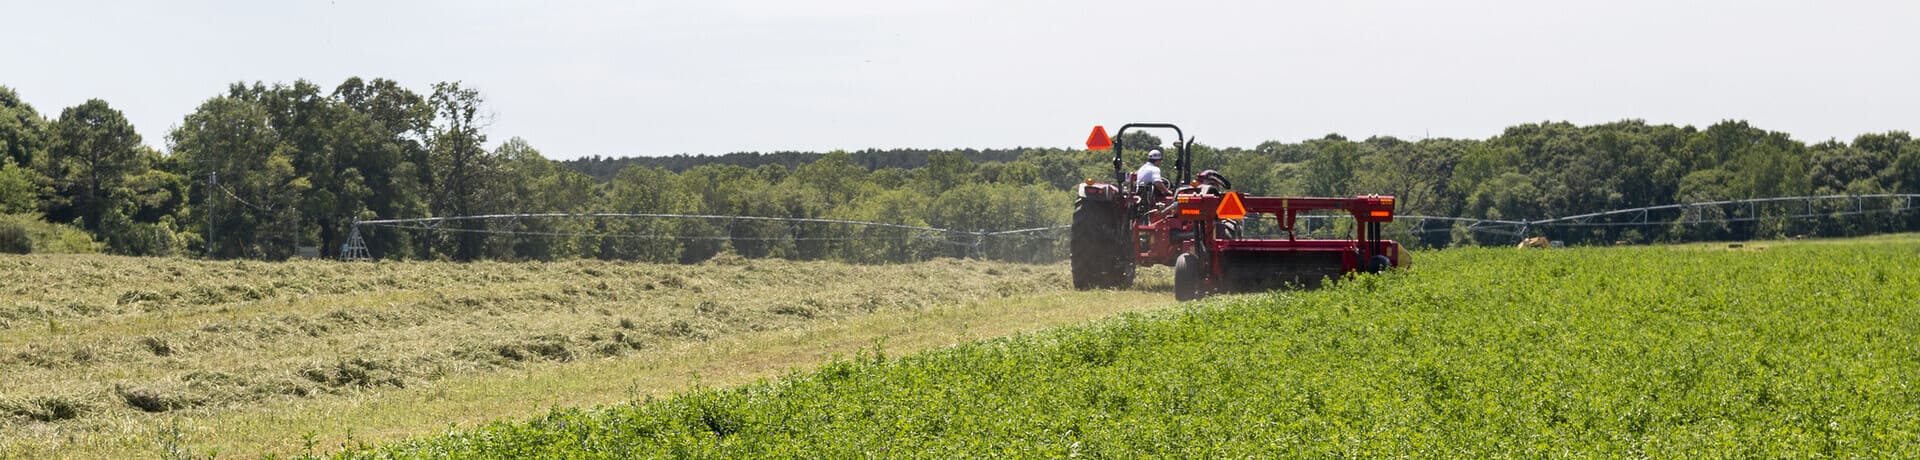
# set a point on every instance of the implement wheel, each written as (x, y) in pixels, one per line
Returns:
(1377, 264)
(1099, 246)
(1186, 278)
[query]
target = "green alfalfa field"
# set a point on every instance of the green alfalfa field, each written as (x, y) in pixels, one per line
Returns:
(1769, 350)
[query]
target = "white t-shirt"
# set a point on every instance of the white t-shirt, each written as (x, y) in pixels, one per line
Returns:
(1147, 175)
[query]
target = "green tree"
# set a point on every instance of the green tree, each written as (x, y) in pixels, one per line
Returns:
(534, 184)
(381, 135)
(463, 169)
(1837, 166)
(1331, 169)
(1906, 168)
(1020, 173)
(835, 176)
(946, 170)
(906, 207)
(1140, 141)
(1887, 148)
(245, 178)
(643, 190)
(724, 190)
(888, 178)
(1253, 172)
(23, 132)
(23, 143)
(94, 149)
(1906, 173)
(1062, 169)
(303, 118)
(20, 188)
(147, 224)
(988, 207)
(1416, 174)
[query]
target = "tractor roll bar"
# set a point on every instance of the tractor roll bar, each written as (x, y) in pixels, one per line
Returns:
(1180, 162)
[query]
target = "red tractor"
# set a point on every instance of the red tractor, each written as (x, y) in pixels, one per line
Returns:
(1195, 225)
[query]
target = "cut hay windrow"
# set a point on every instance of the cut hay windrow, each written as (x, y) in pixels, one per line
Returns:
(90, 341)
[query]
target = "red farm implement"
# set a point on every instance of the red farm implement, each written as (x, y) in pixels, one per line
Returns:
(1195, 225)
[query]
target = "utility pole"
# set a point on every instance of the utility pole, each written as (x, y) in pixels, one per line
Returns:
(213, 180)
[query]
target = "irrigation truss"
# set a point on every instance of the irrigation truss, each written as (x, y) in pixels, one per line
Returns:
(502, 224)
(1706, 212)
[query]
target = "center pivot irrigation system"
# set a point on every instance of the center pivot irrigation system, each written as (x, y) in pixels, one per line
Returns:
(1704, 212)
(1195, 224)
(356, 247)
(1708, 212)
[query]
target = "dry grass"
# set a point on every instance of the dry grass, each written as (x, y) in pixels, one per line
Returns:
(102, 352)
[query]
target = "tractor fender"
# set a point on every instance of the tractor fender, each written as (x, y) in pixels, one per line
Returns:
(1096, 192)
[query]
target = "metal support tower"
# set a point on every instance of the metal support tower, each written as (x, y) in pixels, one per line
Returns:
(356, 248)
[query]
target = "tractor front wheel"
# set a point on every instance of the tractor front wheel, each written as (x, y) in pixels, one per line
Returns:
(1186, 277)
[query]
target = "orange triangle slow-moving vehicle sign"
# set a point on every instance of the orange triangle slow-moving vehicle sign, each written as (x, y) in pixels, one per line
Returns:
(1230, 207)
(1099, 140)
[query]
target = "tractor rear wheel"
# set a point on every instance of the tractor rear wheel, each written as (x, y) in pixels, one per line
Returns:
(1186, 277)
(1098, 246)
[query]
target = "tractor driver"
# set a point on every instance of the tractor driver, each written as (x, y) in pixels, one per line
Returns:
(1149, 174)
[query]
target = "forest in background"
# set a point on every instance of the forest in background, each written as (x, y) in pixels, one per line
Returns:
(264, 169)
(604, 168)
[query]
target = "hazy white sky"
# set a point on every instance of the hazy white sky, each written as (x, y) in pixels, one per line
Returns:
(579, 78)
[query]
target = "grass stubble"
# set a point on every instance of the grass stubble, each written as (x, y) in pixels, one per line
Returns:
(111, 356)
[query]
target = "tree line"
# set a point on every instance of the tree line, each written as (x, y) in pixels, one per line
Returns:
(1554, 169)
(264, 169)
(605, 168)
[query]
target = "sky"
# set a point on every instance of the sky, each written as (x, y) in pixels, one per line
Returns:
(633, 78)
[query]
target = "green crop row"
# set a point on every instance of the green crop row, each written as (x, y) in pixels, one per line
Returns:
(1804, 350)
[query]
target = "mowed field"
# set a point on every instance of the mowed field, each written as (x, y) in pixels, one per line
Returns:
(1803, 349)
(107, 356)
(1769, 350)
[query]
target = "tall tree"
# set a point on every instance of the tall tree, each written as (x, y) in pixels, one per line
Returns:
(253, 205)
(1887, 147)
(94, 149)
(23, 142)
(460, 161)
(835, 176)
(381, 135)
(1906, 168)
(23, 133)
(1330, 171)
(528, 182)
